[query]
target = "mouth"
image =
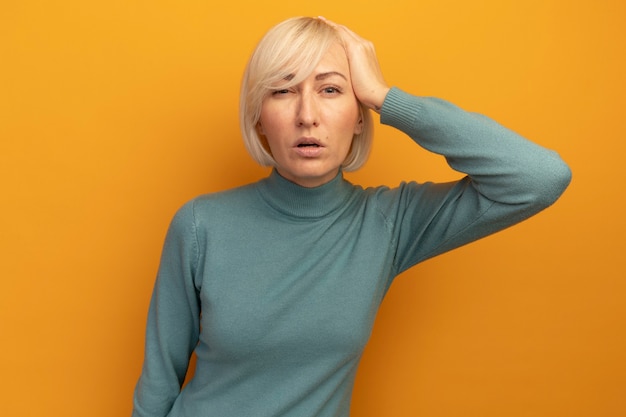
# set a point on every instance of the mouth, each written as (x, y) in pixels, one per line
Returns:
(308, 143)
(309, 147)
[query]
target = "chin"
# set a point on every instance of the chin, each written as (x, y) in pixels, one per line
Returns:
(309, 178)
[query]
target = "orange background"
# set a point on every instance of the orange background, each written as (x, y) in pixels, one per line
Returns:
(113, 113)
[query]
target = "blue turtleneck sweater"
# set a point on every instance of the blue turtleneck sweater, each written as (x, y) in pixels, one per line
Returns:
(276, 286)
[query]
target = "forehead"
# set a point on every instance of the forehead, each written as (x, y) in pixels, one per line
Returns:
(334, 59)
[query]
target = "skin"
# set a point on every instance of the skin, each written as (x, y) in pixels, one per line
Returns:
(309, 127)
(368, 82)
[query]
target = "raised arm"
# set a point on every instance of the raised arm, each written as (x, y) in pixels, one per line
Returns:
(508, 177)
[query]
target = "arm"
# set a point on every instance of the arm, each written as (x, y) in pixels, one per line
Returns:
(173, 321)
(508, 177)
(503, 166)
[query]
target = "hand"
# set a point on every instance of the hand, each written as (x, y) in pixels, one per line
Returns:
(368, 82)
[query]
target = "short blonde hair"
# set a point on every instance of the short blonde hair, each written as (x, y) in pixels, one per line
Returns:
(293, 47)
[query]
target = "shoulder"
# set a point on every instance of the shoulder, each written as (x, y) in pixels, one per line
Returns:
(390, 200)
(223, 198)
(415, 197)
(214, 206)
(385, 196)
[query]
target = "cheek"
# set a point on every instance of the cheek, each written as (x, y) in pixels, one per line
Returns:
(270, 121)
(267, 128)
(349, 121)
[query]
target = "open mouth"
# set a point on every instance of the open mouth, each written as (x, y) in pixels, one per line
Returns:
(304, 145)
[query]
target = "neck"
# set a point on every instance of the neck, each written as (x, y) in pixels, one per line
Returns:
(299, 201)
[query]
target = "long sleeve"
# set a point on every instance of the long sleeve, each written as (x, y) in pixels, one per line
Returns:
(508, 177)
(173, 320)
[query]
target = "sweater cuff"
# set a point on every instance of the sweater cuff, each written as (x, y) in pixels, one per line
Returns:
(400, 109)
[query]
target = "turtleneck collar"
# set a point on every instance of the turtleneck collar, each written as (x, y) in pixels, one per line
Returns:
(294, 200)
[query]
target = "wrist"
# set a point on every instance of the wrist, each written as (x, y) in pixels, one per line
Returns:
(378, 98)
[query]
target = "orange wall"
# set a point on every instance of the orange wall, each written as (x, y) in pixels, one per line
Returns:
(113, 113)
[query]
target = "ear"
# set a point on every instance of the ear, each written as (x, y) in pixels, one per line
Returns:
(358, 128)
(259, 129)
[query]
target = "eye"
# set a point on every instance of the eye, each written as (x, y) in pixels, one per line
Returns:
(331, 90)
(280, 92)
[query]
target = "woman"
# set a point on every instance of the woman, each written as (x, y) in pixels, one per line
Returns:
(276, 284)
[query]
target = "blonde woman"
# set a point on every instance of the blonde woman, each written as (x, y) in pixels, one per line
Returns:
(275, 285)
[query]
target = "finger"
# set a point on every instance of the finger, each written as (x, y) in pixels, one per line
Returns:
(347, 35)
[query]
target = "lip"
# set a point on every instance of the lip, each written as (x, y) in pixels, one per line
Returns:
(314, 149)
(308, 140)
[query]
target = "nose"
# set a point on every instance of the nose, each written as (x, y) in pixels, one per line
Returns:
(307, 112)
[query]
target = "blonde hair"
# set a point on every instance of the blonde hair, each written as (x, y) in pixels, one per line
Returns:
(293, 48)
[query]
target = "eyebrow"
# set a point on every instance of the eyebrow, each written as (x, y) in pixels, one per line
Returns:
(319, 77)
(325, 75)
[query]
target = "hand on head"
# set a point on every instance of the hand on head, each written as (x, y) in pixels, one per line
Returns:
(368, 82)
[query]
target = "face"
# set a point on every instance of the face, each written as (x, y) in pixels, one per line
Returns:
(309, 127)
